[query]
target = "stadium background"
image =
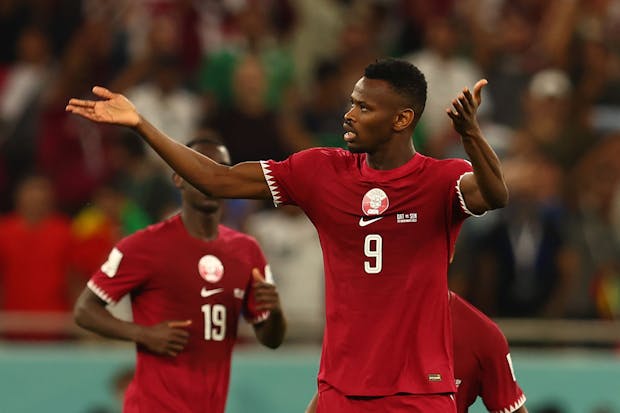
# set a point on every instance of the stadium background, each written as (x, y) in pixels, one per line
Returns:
(272, 77)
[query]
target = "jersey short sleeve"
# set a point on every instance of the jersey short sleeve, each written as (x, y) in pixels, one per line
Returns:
(290, 179)
(455, 170)
(499, 389)
(250, 313)
(124, 270)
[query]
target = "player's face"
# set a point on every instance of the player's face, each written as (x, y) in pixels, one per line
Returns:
(369, 122)
(192, 197)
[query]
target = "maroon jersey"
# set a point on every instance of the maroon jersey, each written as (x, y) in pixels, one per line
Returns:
(174, 276)
(387, 237)
(482, 364)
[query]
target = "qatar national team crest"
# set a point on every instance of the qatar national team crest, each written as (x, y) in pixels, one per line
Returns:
(210, 268)
(375, 202)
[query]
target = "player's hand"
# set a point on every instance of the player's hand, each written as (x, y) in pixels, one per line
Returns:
(464, 108)
(168, 338)
(265, 294)
(113, 108)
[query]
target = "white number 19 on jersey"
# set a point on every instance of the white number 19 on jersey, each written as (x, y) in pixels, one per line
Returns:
(215, 321)
(373, 248)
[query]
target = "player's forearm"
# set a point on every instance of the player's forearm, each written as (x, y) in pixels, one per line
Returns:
(271, 331)
(487, 170)
(95, 317)
(194, 167)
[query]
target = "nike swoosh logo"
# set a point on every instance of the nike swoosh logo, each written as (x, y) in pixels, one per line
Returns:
(204, 293)
(370, 221)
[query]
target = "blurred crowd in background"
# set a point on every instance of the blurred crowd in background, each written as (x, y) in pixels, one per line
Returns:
(271, 77)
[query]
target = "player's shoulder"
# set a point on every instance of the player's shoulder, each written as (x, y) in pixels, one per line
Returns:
(322, 154)
(227, 234)
(151, 234)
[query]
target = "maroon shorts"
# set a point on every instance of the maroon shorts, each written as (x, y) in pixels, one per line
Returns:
(332, 401)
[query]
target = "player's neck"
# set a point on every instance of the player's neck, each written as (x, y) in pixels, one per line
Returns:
(391, 156)
(201, 225)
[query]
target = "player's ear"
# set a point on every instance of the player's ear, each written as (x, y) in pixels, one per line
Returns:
(177, 180)
(403, 119)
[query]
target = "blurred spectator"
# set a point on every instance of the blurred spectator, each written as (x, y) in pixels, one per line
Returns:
(597, 176)
(320, 22)
(248, 127)
(552, 123)
(322, 115)
(522, 265)
(25, 77)
(24, 81)
(524, 37)
(140, 180)
(100, 225)
(596, 62)
(256, 37)
(446, 73)
(163, 99)
(35, 253)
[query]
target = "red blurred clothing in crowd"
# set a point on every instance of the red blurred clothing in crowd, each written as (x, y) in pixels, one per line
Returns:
(36, 248)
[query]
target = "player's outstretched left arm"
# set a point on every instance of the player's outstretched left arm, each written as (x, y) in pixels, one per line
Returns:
(486, 188)
(271, 331)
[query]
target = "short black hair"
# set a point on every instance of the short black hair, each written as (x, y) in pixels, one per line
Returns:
(207, 137)
(406, 80)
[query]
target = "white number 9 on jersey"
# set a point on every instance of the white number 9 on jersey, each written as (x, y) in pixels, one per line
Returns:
(373, 248)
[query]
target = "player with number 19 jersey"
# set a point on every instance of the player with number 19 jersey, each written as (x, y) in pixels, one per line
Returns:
(387, 238)
(174, 276)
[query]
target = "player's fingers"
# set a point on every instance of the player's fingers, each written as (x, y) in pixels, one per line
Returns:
(451, 114)
(256, 274)
(469, 98)
(179, 324)
(81, 103)
(478, 90)
(84, 112)
(457, 107)
(465, 106)
(103, 92)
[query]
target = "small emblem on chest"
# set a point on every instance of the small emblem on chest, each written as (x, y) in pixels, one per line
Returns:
(375, 202)
(211, 268)
(408, 217)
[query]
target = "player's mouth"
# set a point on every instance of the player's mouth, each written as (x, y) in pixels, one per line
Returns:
(349, 133)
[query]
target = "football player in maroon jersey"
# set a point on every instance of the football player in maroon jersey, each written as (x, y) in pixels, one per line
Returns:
(190, 278)
(387, 218)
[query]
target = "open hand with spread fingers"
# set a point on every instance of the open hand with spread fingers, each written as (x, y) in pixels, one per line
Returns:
(114, 108)
(464, 108)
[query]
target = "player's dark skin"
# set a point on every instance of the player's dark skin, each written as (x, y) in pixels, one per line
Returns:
(379, 123)
(201, 215)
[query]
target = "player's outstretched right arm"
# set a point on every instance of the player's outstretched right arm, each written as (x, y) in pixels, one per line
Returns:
(244, 180)
(167, 338)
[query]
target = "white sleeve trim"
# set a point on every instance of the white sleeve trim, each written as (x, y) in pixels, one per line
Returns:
(271, 182)
(462, 200)
(99, 292)
(520, 402)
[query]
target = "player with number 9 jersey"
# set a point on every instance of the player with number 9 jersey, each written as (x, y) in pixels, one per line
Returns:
(387, 318)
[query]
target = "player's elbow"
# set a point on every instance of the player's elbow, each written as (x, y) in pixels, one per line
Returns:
(80, 314)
